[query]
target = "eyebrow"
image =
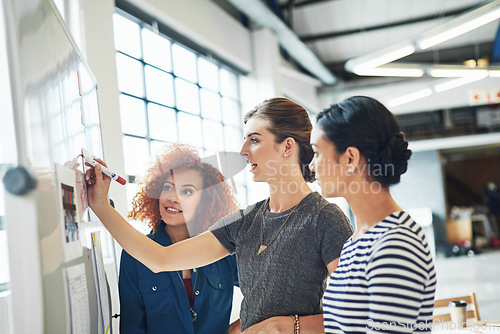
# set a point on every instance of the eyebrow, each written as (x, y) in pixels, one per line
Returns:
(253, 134)
(184, 185)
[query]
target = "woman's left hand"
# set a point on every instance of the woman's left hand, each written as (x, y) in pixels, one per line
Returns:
(274, 325)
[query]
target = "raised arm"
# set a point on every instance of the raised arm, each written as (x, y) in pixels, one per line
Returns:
(190, 253)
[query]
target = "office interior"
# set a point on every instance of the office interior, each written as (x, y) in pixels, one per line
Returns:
(223, 57)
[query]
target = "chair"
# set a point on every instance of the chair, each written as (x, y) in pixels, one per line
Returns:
(473, 313)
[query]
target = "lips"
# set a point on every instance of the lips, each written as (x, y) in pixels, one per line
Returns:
(252, 165)
(172, 210)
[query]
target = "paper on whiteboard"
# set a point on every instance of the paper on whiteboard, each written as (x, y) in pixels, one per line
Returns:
(101, 286)
(79, 312)
(68, 215)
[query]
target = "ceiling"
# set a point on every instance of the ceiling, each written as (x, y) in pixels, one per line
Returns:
(339, 30)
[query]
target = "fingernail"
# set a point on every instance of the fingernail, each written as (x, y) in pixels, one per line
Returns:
(87, 177)
(97, 166)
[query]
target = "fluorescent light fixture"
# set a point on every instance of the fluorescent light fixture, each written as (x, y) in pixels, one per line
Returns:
(441, 87)
(450, 72)
(494, 74)
(409, 97)
(460, 25)
(264, 17)
(382, 57)
(392, 71)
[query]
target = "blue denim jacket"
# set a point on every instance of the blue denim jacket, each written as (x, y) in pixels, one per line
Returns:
(158, 303)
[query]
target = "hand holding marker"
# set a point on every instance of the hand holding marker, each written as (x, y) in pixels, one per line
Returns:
(90, 159)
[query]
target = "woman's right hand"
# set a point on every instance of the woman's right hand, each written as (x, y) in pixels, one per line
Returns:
(97, 186)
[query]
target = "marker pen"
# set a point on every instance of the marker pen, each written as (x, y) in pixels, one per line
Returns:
(89, 158)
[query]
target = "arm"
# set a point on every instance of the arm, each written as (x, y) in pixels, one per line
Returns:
(235, 327)
(396, 277)
(190, 253)
(310, 324)
(132, 310)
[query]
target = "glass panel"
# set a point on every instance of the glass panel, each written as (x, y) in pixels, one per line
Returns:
(190, 129)
(241, 196)
(157, 147)
(4, 259)
(207, 72)
(127, 36)
(130, 75)
(135, 154)
(232, 139)
(231, 112)
(133, 115)
(184, 63)
(156, 50)
(132, 190)
(162, 123)
(228, 83)
(187, 96)
(159, 86)
(212, 135)
(210, 105)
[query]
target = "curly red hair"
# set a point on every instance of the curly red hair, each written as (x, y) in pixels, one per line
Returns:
(217, 200)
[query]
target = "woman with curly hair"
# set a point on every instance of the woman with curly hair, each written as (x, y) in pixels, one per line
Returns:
(285, 245)
(179, 197)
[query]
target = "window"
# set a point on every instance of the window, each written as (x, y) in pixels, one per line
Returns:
(172, 93)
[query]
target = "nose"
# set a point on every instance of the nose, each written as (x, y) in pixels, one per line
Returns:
(243, 151)
(312, 167)
(172, 196)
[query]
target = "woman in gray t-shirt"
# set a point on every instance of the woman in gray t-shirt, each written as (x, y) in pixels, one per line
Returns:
(286, 246)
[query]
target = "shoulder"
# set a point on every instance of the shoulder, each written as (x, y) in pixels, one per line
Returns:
(332, 217)
(402, 239)
(238, 216)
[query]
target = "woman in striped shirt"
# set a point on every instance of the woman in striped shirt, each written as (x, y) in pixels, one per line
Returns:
(385, 279)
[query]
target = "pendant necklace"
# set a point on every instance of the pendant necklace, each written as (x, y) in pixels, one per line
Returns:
(194, 315)
(262, 246)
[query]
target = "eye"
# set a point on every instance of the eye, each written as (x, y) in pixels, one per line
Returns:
(167, 187)
(187, 192)
(254, 141)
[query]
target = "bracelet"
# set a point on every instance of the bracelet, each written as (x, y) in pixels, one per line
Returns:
(296, 326)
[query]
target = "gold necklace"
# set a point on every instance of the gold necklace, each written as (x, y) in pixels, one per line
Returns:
(194, 315)
(262, 246)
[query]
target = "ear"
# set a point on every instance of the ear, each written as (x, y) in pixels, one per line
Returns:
(352, 157)
(289, 145)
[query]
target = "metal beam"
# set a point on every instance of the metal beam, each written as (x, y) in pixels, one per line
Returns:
(334, 34)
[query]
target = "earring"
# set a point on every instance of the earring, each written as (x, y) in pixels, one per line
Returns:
(284, 155)
(350, 170)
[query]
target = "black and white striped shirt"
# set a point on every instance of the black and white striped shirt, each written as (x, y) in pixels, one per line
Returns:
(385, 281)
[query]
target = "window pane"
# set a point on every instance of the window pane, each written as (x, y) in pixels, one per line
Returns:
(159, 86)
(207, 72)
(231, 112)
(210, 105)
(228, 83)
(232, 139)
(135, 154)
(157, 147)
(133, 115)
(187, 96)
(156, 50)
(212, 134)
(127, 36)
(162, 123)
(132, 189)
(130, 75)
(184, 63)
(190, 129)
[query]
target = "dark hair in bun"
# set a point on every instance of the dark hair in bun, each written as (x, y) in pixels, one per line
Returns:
(368, 125)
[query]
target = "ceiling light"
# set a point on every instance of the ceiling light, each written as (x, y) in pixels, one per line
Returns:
(453, 72)
(441, 87)
(409, 97)
(393, 71)
(382, 57)
(460, 25)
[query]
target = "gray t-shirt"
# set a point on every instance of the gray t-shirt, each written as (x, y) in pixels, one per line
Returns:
(288, 277)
